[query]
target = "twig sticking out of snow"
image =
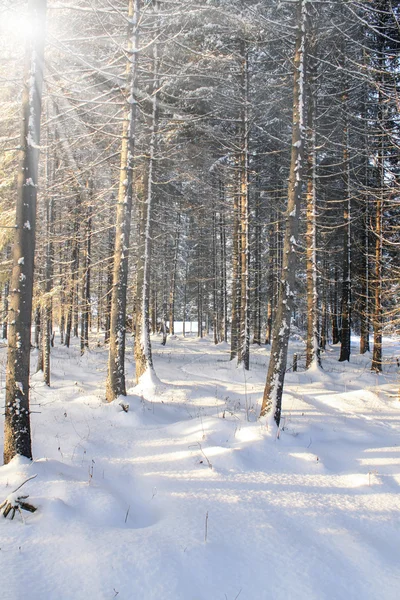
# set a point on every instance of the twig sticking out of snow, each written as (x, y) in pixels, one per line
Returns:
(14, 503)
(198, 445)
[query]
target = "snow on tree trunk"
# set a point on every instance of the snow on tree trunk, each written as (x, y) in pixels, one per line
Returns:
(272, 399)
(17, 434)
(143, 354)
(377, 314)
(235, 277)
(244, 316)
(47, 311)
(116, 358)
(345, 348)
(312, 349)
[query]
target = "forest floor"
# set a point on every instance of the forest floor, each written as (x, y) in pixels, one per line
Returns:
(189, 497)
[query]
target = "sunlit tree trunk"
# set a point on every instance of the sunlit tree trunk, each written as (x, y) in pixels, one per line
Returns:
(244, 315)
(235, 277)
(17, 432)
(143, 353)
(345, 348)
(272, 399)
(116, 358)
(312, 348)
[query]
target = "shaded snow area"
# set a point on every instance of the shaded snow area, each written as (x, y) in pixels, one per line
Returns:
(189, 497)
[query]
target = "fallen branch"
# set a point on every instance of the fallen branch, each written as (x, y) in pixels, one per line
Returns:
(14, 502)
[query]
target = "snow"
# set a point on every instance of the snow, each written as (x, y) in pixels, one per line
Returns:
(188, 496)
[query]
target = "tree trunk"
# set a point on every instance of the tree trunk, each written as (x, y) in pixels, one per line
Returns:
(110, 270)
(312, 349)
(172, 290)
(272, 399)
(143, 354)
(244, 314)
(223, 291)
(47, 308)
(257, 265)
(235, 277)
(346, 285)
(6, 290)
(17, 433)
(115, 385)
(72, 296)
(85, 314)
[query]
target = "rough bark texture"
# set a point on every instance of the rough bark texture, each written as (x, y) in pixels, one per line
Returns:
(346, 285)
(244, 317)
(143, 354)
(17, 434)
(312, 348)
(235, 278)
(272, 399)
(116, 359)
(377, 316)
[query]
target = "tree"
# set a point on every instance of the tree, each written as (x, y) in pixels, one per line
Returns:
(272, 399)
(17, 434)
(116, 360)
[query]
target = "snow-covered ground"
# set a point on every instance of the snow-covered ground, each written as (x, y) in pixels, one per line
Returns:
(189, 497)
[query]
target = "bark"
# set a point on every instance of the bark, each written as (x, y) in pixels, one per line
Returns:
(312, 347)
(364, 301)
(377, 315)
(346, 285)
(6, 290)
(335, 308)
(47, 308)
(115, 385)
(17, 433)
(235, 278)
(270, 279)
(110, 270)
(272, 399)
(85, 312)
(223, 291)
(143, 353)
(72, 295)
(257, 265)
(244, 318)
(172, 290)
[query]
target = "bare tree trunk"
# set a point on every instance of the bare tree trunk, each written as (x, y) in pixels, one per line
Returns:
(257, 265)
(6, 290)
(72, 295)
(215, 306)
(377, 315)
(345, 348)
(115, 385)
(364, 304)
(235, 277)
(85, 315)
(223, 291)
(110, 270)
(244, 317)
(335, 308)
(270, 278)
(185, 298)
(38, 326)
(17, 432)
(272, 400)
(47, 309)
(172, 290)
(312, 350)
(143, 354)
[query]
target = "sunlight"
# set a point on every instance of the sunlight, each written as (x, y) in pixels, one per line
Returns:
(15, 26)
